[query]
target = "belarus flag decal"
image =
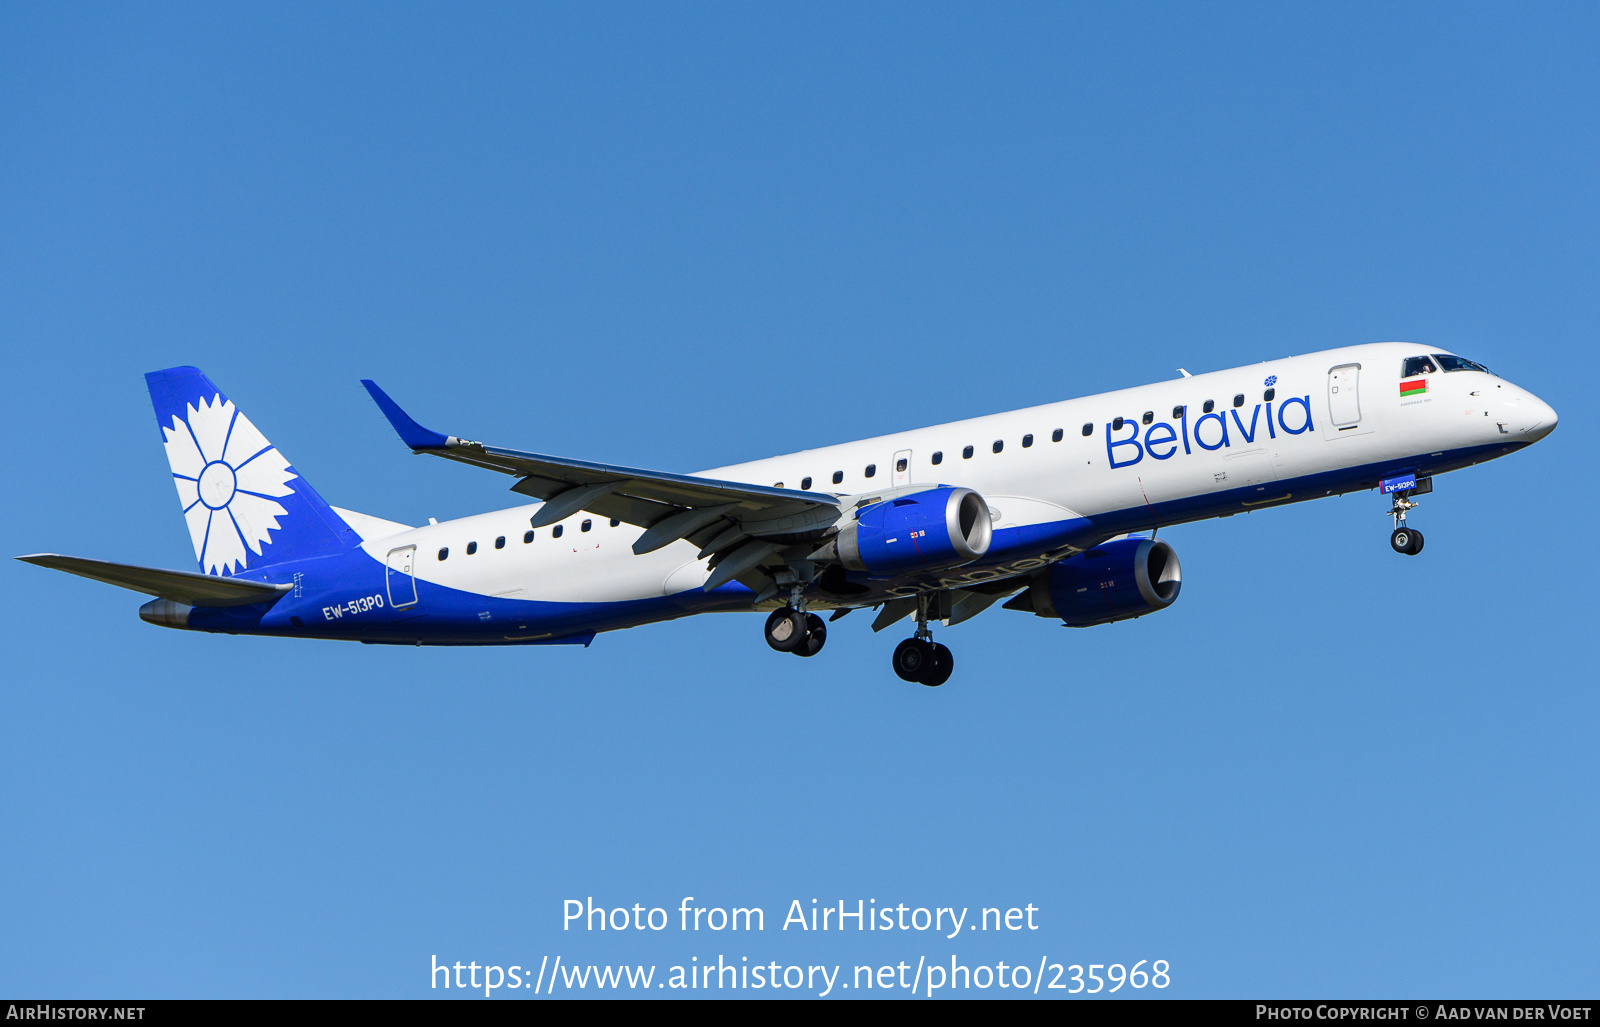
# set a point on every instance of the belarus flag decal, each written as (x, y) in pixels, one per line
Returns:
(1413, 388)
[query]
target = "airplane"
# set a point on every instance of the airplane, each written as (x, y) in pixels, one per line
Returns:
(1053, 508)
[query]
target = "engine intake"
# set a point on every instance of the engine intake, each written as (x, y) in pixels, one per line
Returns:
(939, 528)
(1113, 581)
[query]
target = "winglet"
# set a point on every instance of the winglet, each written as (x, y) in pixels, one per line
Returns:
(411, 433)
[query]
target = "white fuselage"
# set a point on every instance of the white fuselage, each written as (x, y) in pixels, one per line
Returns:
(1332, 415)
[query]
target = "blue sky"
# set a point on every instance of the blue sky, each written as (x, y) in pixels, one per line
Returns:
(685, 236)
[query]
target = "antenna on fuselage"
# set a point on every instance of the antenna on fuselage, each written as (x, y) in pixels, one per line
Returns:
(1186, 374)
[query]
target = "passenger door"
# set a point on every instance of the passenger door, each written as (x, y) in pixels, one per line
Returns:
(1344, 396)
(400, 577)
(1344, 417)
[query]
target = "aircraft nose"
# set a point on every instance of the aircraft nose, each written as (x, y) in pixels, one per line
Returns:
(1543, 416)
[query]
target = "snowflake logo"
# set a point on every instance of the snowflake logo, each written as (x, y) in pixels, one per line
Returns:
(226, 472)
(1271, 381)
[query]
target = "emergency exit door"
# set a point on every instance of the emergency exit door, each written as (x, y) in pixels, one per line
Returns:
(902, 467)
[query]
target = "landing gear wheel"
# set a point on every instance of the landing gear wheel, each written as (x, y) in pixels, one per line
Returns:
(1406, 540)
(816, 636)
(787, 630)
(911, 659)
(922, 662)
(940, 664)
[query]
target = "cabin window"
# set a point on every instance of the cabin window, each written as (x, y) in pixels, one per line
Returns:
(838, 476)
(586, 525)
(1149, 415)
(1055, 436)
(555, 532)
(900, 464)
(616, 521)
(444, 554)
(966, 454)
(500, 543)
(938, 456)
(1211, 405)
(1027, 440)
(1116, 424)
(777, 484)
(1177, 413)
(1266, 397)
(527, 537)
(1417, 365)
(1088, 430)
(472, 547)
(999, 445)
(1238, 400)
(871, 470)
(805, 484)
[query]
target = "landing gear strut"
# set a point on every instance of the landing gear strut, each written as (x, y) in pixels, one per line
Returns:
(1407, 541)
(920, 659)
(793, 630)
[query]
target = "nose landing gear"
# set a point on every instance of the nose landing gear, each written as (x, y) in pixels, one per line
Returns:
(1407, 541)
(920, 659)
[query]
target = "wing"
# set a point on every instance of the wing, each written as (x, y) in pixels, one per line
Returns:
(179, 586)
(737, 524)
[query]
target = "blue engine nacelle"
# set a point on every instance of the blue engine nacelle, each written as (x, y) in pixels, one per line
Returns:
(932, 530)
(1113, 581)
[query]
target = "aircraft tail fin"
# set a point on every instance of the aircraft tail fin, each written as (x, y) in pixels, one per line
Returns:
(245, 506)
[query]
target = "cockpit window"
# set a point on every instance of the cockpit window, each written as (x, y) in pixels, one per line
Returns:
(1450, 363)
(1418, 365)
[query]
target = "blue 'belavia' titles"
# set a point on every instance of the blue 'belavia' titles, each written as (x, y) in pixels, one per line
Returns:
(1170, 437)
(938, 523)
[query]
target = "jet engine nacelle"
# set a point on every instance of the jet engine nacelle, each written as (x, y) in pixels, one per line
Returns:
(1113, 581)
(931, 530)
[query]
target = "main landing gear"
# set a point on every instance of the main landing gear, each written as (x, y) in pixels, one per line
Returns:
(1404, 540)
(920, 659)
(793, 630)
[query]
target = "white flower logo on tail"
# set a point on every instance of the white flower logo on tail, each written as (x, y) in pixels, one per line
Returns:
(226, 472)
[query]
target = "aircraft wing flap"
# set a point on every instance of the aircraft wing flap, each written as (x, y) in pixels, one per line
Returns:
(184, 587)
(640, 497)
(638, 512)
(545, 477)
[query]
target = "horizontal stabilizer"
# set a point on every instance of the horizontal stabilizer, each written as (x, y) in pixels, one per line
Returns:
(178, 586)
